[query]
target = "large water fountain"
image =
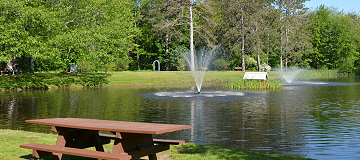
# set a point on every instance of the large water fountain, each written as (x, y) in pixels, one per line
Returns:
(202, 59)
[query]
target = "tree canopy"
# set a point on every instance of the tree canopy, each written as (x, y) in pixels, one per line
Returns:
(105, 35)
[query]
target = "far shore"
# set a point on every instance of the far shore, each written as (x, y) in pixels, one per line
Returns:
(53, 80)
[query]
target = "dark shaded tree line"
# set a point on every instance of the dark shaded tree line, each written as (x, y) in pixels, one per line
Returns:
(104, 35)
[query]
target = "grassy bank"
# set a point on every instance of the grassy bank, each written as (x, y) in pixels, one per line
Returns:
(60, 80)
(11, 139)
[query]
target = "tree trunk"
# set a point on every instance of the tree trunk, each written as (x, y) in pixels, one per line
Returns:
(286, 41)
(191, 39)
(258, 58)
(242, 44)
(267, 52)
(31, 65)
(167, 50)
(281, 62)
(137, 38)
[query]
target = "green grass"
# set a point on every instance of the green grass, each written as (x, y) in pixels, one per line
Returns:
(11, 139)
(129, 77)
(60, 80)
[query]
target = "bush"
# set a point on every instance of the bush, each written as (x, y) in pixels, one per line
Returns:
(221, 64)
(265, 67)
(347, 66)
(250, 62)
(181, 65)
(121, 65)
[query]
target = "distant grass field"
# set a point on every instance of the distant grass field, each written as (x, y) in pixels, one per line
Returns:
(60, 80)
(11, 139)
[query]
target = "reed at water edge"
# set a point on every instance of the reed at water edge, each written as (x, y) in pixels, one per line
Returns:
(238, 83)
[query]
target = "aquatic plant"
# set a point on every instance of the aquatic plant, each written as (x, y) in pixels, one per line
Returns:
(238, 83)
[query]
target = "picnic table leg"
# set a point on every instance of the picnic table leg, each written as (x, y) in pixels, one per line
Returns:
(98, 144)
(61, 141)
(117, 148)
(137, 145)
(152, 157)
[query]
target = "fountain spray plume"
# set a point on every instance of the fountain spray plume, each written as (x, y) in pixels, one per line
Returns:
(290, 74)
(201, 61)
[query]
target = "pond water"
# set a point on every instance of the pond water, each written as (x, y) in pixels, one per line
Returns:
(313, 118)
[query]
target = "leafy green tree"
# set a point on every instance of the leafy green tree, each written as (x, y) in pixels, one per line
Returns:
(333, 41)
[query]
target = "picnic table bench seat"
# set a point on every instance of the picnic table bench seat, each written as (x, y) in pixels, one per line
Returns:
(44, 150)
(158, 141)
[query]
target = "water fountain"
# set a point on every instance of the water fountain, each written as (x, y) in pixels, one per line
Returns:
(202, 60)
(290, 75)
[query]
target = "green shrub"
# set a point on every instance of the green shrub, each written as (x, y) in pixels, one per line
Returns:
(121, 65)
(250, 62)
(181, 65)
(221, 64)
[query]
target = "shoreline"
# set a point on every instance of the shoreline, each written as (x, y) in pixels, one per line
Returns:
(92, 80)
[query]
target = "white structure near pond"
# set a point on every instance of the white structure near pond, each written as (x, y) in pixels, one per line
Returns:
(256, 75)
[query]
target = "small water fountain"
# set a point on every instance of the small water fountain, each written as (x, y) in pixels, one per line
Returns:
(290, 75)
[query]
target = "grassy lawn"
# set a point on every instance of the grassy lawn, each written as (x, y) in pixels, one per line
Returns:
(128, 77)
(60, 80)
(11, 139)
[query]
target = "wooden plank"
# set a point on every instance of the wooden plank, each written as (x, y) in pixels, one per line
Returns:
(61, 140)
(172, 142)
(76, 152)
(112, 126)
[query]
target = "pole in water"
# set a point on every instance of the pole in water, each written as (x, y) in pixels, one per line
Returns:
(199, 93)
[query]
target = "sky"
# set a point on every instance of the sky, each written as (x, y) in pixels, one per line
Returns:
(346, 5)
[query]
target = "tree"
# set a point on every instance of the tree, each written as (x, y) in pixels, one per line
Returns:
(232, 19)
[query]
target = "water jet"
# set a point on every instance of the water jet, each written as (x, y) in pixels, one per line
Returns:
(202, 59)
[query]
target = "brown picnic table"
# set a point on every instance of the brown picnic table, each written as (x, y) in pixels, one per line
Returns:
(132, 140)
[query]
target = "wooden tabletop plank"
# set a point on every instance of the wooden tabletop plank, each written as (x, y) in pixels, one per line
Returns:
(109, 125)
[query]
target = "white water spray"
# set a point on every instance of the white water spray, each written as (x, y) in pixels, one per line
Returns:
(202, 59)
(290, 75)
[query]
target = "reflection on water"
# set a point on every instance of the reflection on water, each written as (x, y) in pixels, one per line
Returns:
(315, 121)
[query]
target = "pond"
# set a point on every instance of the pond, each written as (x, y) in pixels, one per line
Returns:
(311, 118)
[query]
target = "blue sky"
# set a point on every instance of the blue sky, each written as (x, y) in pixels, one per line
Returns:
(347, 5)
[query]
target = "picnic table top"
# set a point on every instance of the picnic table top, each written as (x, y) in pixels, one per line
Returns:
(109, 125)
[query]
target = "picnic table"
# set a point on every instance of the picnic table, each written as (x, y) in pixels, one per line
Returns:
(132, 140)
